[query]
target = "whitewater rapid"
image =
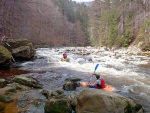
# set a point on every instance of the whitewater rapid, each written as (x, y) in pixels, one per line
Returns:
(119, 68)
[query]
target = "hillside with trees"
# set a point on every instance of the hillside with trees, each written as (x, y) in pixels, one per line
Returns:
(119, 23)
(111, 23)
(44, 22)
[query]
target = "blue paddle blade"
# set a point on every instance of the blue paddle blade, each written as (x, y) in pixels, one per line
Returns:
(96, 66)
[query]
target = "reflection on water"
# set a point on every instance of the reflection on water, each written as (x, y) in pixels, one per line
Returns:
(10, 107)
(12, 72)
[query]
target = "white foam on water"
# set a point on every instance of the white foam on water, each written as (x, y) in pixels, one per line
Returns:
(104, 58)
(80, 65)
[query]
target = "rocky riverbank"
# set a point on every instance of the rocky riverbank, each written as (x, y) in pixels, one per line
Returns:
(12, 50)
(18, 91)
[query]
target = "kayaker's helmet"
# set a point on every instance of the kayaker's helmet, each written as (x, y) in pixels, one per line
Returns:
(97, 75)
(65, 55)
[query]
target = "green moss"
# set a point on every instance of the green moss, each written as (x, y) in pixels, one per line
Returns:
(132, 109)
(5, 98)
(138, 107)
(128, 109)
(61, 106)
(5, 52)
(34, 84)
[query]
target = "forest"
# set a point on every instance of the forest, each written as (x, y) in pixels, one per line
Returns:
(110, 23)
(120, 23)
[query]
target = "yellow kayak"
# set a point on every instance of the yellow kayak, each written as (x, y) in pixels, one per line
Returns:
(66, 60)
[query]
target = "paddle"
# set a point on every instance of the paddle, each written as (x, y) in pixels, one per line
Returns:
(85, 84)
(96, 67)
(94, 71)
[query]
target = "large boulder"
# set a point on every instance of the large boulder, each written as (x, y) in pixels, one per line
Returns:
(5, 56)
(57, 102)
(99, 101)
(20, 48)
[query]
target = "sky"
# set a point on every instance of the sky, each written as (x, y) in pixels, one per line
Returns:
(82, 0)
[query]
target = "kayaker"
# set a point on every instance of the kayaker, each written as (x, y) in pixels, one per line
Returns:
(99, 83)
(64, 57)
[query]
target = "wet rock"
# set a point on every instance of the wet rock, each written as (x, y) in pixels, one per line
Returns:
(5, 56)
(59, 91)
(70, 86)
(31, 101)
(31, 82)
(90, 60)
(7, 89)
(71, 83)
(49, 94)
(3, 83)
(98, 101)
(46, 93)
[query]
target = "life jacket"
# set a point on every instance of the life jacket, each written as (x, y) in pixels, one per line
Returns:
(63, 59)
(102, 84)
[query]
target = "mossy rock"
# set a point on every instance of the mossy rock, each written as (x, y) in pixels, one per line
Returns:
(5, 54)
(131, 109)
(4, 98)
(5, 51)
(58, 106)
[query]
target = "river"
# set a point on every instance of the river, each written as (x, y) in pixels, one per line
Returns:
(119, 68)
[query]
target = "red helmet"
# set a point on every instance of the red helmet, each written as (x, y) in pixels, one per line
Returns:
(65, 55)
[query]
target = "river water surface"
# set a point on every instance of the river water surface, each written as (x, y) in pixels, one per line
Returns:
(120, 69)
